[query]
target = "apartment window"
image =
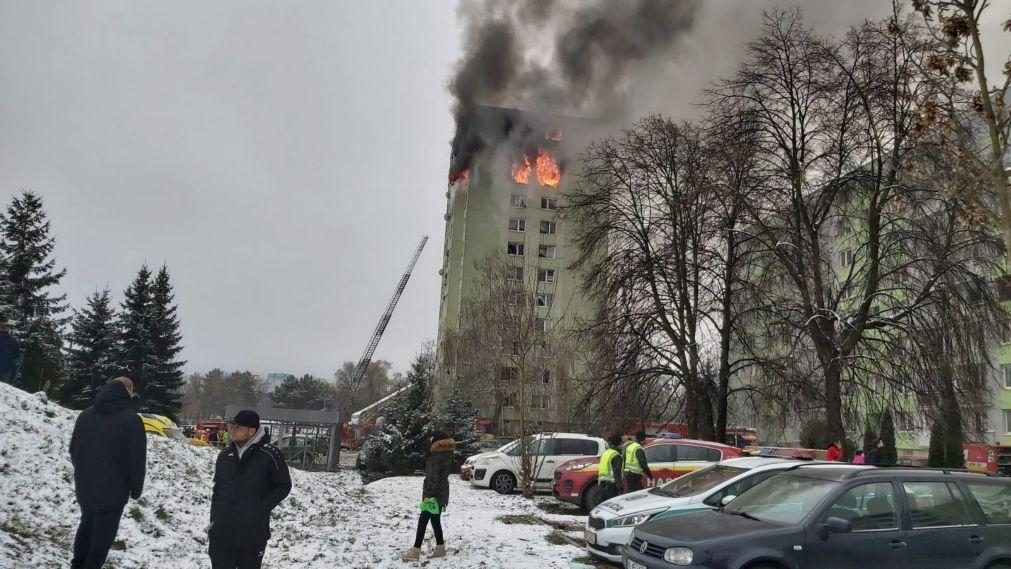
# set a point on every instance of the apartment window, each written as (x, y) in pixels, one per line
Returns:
(514, 273)
(509, 400)
(514, 349)
(538, 401)
(542, 351)
(549, 227)
(546, 376)
(508, 374)
(1006, 370)
(543, 324)
(846, 257)
(545, 300)
(1007, 421)
(549, 203)
(518, 200)
(516, 224)
(514, 248)
(546, 251)
(546, 276)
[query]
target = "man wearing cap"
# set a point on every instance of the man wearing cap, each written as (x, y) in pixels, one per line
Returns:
(250, 480)
(10, 353)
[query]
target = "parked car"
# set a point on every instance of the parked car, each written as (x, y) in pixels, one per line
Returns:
(844, 517)
(610, 525)
(491, 447)
(576, 480)
(500, 469)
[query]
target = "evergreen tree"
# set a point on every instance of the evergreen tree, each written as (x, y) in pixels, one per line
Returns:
(134, 354)
(306, 392)
(457, 416)
(946, 442)
(889, 454)
(34, 311)
(163, 390)
(935, 452)
(90, 354)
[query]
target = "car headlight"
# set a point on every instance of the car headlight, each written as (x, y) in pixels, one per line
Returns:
(482, 461)
(678, 556)
(578, 465)
(634, 519)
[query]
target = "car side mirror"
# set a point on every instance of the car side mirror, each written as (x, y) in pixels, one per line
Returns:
(727, 499)
(837, 525)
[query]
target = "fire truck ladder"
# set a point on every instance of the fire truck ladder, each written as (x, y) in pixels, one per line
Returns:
(366, 359)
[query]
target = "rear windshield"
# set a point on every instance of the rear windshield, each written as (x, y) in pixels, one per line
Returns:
(782, 499)
(994, 500)
(700, 481)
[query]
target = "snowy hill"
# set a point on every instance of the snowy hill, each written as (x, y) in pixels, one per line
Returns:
(329, 520)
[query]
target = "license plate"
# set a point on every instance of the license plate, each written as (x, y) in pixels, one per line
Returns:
(589, 537)
(629, 564)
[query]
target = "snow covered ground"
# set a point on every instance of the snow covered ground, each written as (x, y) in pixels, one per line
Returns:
(329, 520)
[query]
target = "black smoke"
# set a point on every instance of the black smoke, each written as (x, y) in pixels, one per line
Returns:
(556, 56)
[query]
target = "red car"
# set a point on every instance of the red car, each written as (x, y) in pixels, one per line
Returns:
(576, 480)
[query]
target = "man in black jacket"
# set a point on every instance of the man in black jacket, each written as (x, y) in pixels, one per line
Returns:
(109, 452)
(250, 479)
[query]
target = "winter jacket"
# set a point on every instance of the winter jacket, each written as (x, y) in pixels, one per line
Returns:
(9, 352)
(874, 456)
(249, 482)
(437, 469)
(859, 459)
(833, 454)
(109, 451)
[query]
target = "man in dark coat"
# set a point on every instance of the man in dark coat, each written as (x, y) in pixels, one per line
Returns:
(250, 479)
(10, 353)
(874, 454)
(109, 452)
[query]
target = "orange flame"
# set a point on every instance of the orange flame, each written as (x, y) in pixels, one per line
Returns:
(554, 135)
(460, 178)
(521, 172)
(548, 172)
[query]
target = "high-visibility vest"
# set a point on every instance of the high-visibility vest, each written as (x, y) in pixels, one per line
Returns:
(632, 465)
(605, 474)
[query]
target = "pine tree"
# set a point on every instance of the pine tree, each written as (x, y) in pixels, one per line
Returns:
(90, 354)
(306, 392)
(35, 313)
(889, 454)
(935, 453)
(163, 391)
(954, 438)
(457, 416)
(134, 354)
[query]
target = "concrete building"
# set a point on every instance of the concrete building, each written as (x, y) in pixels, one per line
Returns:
(505, 206)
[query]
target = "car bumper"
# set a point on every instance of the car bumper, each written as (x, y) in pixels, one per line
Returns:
(481, 478)
(649, 562)
(607, 543)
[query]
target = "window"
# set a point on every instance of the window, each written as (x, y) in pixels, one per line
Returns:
(517, 224)
(846, 257)
(507, 374)
(577, 447)
(1006, 370)
(994, 500)
(660, 453)
(935, 504)
(867, 507)
(514, 349)
(737, 488)
(514, 248)
(518, 200)
(538, 401)
(546, 376)
(692, 452)
(549, 203)
(546, 251)
(546, 276)
(549, 227)
(509, 401)
(514, 273)
(543, 324)
(542, 351)
(545, 299)
(1007, 421)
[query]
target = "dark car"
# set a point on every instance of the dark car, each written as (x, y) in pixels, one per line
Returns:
(841, 517)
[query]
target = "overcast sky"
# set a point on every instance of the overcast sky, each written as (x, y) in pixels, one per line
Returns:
(283, 158)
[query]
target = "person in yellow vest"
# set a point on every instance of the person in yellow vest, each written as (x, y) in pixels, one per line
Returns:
(635, 464)
(609, 474)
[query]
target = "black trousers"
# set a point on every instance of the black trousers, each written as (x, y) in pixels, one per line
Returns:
(607, 491)
(236, 556)
(423, 525)
(94, 538)
(633, 482)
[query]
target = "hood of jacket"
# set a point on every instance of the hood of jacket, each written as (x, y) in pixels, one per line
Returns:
(260, 433)
(112, 397)
(443, 445)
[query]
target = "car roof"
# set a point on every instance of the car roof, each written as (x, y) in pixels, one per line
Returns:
(750, 462)
(567, 435)
(828, 470)
(709, 444)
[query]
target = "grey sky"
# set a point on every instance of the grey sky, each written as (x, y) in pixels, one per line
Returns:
(283, 158)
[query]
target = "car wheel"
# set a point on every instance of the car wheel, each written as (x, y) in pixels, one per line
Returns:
(591, 497)
(503, 482)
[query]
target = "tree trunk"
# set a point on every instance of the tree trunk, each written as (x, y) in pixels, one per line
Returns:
(833, 401)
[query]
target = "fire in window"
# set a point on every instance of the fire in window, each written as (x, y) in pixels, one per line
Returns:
(548, 227)
(545, 251)
(514, 248)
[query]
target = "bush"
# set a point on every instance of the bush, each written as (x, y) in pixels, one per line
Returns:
(386, 453)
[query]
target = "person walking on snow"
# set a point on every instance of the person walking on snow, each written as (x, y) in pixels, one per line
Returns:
(635, 464)
(250, 479)
(609, 471)
(108, 449)
(434, 495)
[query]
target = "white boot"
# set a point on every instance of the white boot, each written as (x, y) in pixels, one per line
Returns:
(412, 554)
(439, 551)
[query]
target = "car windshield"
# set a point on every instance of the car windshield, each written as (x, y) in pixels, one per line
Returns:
(699, 481)
(511, 448)
(783, 499)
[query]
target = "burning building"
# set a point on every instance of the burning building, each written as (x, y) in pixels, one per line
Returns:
(502, 203)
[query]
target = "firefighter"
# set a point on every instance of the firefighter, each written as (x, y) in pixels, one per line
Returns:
(635, 464)
(610, 468)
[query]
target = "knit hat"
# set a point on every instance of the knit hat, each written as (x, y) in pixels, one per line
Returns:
(246, 418)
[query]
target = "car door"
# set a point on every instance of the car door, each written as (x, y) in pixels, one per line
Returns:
(875, 540)
(943, 534)
(661, 459)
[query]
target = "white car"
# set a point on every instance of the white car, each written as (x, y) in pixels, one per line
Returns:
(500, 470)
(610, 524)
